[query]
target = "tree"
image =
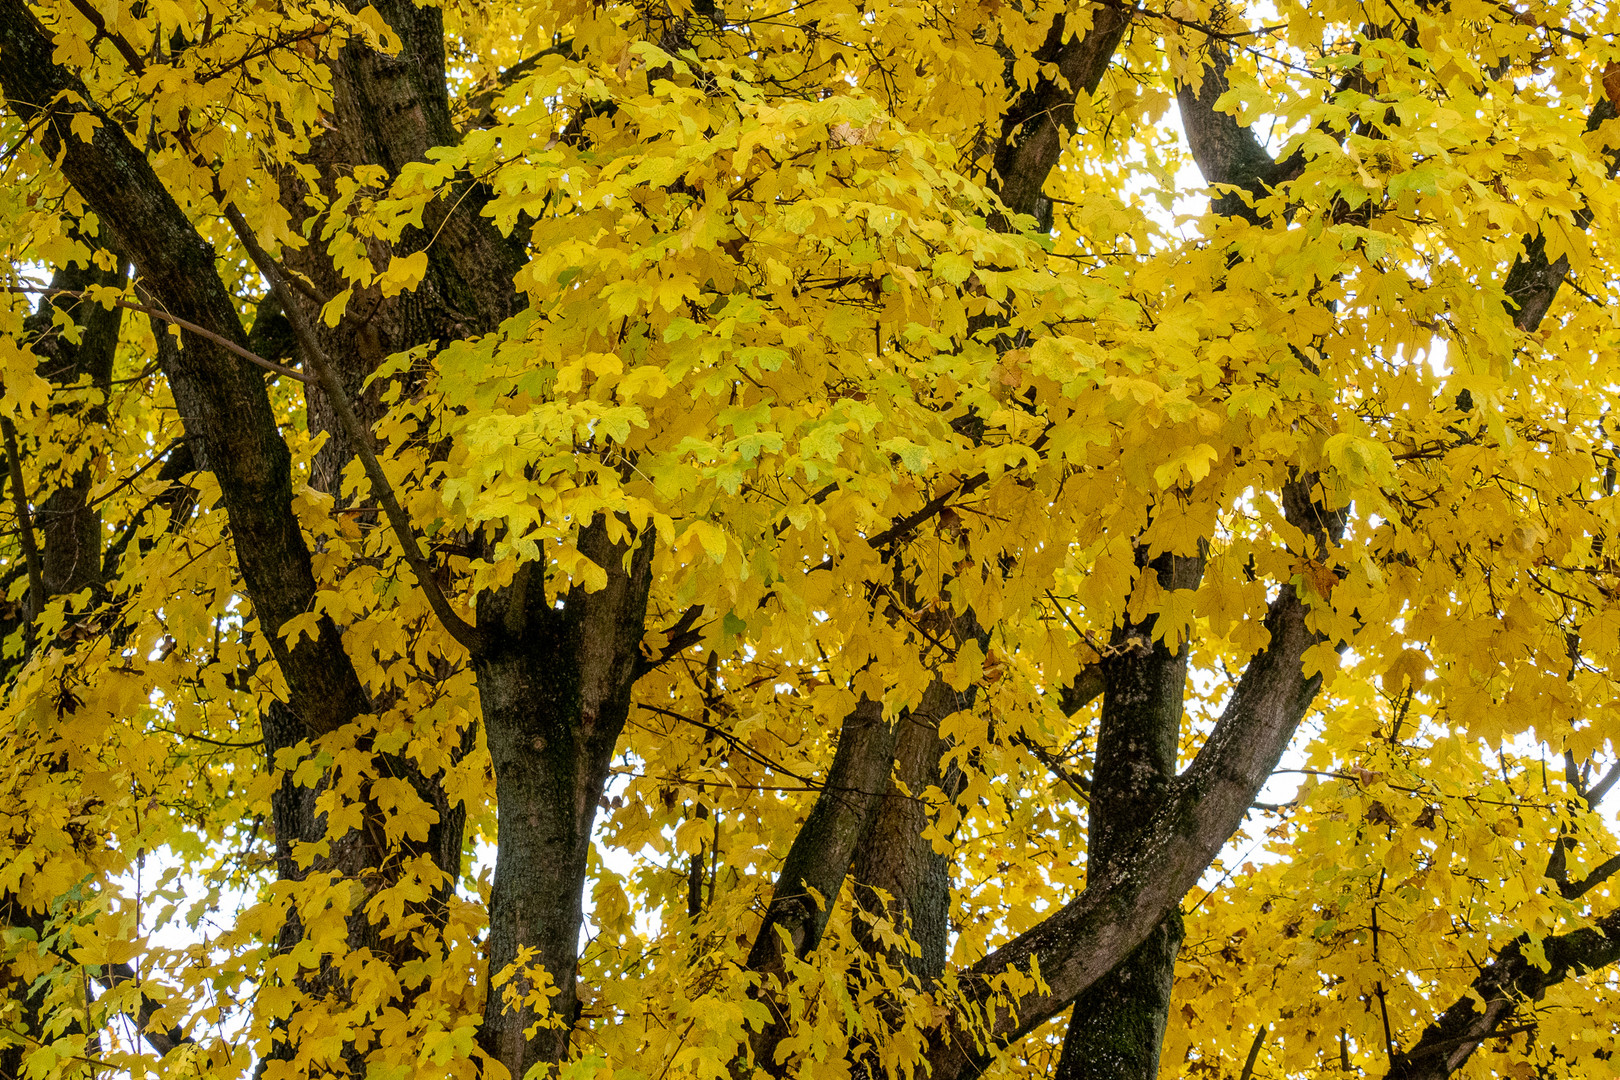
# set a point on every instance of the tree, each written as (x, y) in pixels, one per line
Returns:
(813, 486)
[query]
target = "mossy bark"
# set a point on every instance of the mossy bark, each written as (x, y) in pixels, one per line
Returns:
(1117, 1027)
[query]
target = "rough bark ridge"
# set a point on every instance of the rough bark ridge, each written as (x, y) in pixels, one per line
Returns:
(898, 874)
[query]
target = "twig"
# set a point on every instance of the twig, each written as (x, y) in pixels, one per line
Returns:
(210, 742)
(161, 1041)
(136, 475)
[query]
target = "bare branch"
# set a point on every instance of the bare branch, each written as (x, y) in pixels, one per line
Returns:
(184, 324)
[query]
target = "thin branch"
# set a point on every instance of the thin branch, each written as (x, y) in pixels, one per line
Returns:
(473, 638)
(681, 636)
(125, 49)
(211, 742)
(1574, 890)
(1595, 793)
(735, 743)
(136, 475)
(1254, 1053)
(1059, 768)
(161, 1041)
(25, 526)
(184, 324)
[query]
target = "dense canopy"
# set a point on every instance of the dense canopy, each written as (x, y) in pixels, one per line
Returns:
(663, 539)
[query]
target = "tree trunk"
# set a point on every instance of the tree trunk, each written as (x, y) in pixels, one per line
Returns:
(895, 859)
(1117, 1026)
(555, 694)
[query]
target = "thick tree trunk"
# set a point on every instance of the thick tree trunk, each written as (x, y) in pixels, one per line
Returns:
(555, 695)
(390, 111)
(1117, 1027)
(894, 859)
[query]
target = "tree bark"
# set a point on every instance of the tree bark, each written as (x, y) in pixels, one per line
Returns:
(1042, 117)
(813, 872)
(556, 693)
(390, 111)
(1117, 1027)
(1117, 1024)
(899, 876)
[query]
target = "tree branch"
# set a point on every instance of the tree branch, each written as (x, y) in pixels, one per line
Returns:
(219, 394)
(1533, 282)
(159, 1039)
(184, 324)
(1508, 979)
(472, 638)
(1226, 152)
(681, 635)
(25, 525)
(1574, 890)
(813, 872)
(1033, 127)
